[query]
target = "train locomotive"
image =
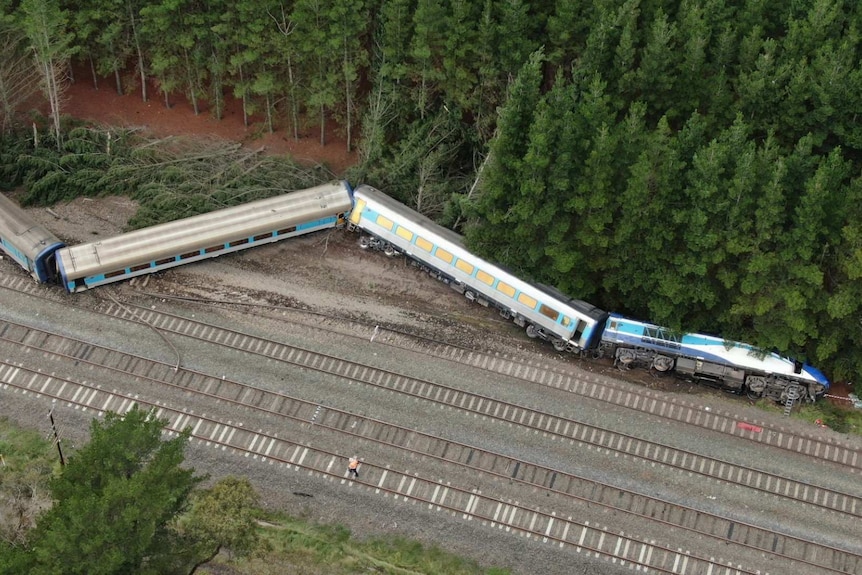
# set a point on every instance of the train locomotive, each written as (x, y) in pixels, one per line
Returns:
(731, 365)
(384, 224)
(574, 325)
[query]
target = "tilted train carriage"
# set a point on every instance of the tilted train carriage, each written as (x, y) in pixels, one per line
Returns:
(204, 236)
(30, 244)
(569, 324)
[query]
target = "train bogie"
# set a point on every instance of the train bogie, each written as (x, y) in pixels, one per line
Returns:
(545, 313)
(204, 236)
(30, 244)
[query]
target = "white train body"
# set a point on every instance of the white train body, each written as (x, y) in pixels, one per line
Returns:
(569, 324)
(204, 236)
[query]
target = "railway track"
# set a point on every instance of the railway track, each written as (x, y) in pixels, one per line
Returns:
(437, 495)
(546, 423)
(571, 380)
(560, 484)
(593, 386)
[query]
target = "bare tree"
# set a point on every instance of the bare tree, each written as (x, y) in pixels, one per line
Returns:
(17, 82)
(45, 26)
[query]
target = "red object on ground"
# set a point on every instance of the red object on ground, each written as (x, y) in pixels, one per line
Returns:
(749, 426)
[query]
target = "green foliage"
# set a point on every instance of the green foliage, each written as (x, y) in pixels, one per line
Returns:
(27, 463)
(116, 501)
(675, 207)
(225, 515)
(693, 163)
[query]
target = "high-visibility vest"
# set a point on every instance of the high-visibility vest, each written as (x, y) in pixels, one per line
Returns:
(354, 463)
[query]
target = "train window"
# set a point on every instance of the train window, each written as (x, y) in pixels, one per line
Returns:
(527, 300)
(444, 255)
(115, 274)
(165, 261)
(404, 233)
(566, 321)
(241, 242)
(140, 267)
(385, 222)
(289, 230)
(188, 255)
(464, 267)
(424, 244)
(212, 249)
(549, 312)
(506, 289)
(356, 214)
(261, 237)
(485, 277)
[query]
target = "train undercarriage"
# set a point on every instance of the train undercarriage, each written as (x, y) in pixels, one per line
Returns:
(533, 331)
(728, 378)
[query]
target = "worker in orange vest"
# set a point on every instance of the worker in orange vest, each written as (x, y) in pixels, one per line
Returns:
(353, 467)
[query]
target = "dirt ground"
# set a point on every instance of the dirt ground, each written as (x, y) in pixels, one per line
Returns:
(105, 106)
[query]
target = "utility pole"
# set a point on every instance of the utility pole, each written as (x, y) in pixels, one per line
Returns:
(56, 437)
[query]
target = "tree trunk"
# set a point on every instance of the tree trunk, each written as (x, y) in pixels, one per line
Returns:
(93, 73)
(140, 52)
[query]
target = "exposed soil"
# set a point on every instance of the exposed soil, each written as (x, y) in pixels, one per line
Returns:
(105, 106)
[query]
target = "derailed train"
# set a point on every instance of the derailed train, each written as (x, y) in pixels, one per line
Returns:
(570, 325)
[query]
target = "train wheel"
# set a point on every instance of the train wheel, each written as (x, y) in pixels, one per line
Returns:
(390, 250)
(559, 345)
(625, 358)
(532, 332)
(662, 363)
(364, 242)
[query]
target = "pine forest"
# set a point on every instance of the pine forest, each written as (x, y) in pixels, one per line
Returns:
(695, 163)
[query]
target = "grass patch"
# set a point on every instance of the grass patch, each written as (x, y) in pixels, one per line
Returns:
(301, 548)
(837, 418)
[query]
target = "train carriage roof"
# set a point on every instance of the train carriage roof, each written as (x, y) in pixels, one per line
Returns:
(18, 227)
(205, 230)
